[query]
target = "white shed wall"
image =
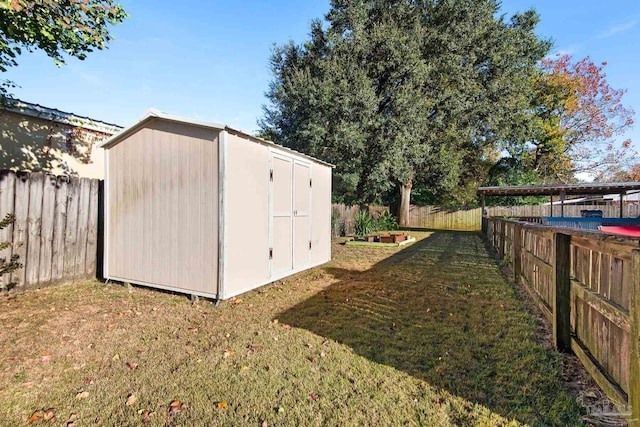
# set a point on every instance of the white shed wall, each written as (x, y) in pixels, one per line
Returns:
(246, 260)
(162, 208)
(321, 214)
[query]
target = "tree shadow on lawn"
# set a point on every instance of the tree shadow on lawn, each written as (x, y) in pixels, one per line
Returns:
(441, 311)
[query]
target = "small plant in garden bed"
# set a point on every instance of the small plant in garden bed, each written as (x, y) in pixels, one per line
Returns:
(364, 224)
(386, 222)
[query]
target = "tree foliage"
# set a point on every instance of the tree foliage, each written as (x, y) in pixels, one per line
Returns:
(399, 93)
(59, 28)
(578, 119)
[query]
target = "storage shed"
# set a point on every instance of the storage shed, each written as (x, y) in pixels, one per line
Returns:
(207, 210)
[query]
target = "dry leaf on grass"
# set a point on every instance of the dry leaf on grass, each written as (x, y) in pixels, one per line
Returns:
(82, 395)
(227, 353)
(314, 396)
(72, 420)
(221, 405)
(132, 365)
(131, 400)
(49, 415)
(35, 417)
(176, 406)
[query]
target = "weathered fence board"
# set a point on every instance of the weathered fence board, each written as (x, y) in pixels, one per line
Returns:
(34, 227)
(588, 284)
(55, 233)
(59, 228)
(21, 211)
(46, 232)
(7, 189)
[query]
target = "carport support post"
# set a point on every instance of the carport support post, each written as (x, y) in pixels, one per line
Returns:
(483, 222)
(551, 205)
(634, 340)
(501, 242)
(621, 205)
(561, 292)
(562, 197)
(517, 251)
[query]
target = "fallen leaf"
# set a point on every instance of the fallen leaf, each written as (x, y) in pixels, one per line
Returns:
(314, 397)
(72, 419)
(284, 325)
(312, 359)
(275, 321)
(146, 414)
(221, 405)
(177, 406)
(82, 395)
(227, 353)
(323, 354)
(45, 358)
(49, 414)
(265, 424)
(35, 417)
(309, 345)
(254, 348)
(250, 305)
(591, 394)
(280, 410)
(325, 342)
(116, 357)
(132, 365)
(237, 301)
(131, 400)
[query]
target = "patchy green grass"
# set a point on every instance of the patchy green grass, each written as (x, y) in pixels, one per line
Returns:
(428, 334)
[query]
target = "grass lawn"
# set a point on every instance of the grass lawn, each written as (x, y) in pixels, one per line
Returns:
(428, 334)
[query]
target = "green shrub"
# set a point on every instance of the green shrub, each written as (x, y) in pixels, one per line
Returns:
(386, 222)
(364, 224)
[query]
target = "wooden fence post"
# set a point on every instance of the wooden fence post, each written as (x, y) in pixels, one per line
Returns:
(502, 241)
(634, 340)
(517, 251)
(561, 292)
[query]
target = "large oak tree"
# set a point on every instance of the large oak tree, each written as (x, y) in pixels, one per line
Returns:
(398, 93)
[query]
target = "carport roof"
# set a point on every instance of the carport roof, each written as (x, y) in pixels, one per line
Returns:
(558, 189)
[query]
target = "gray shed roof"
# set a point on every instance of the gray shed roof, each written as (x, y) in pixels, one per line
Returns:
(557, 189)
(153, 114)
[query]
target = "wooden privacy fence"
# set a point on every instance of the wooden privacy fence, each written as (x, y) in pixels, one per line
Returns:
(469, 218)
(56, 228)
(588, 285)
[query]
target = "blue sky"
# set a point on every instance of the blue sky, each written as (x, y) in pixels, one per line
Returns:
(208, 60)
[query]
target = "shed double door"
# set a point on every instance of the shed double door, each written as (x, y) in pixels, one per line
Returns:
(290, 218)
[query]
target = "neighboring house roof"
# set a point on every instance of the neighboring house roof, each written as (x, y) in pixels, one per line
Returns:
(153, 114)
(38, 111)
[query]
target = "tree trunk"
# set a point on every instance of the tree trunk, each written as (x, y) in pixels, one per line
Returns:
(405, 201)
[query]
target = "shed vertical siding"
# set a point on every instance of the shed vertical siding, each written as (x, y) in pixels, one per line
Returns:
(246, 215)
(162, 207)
(321, 214)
